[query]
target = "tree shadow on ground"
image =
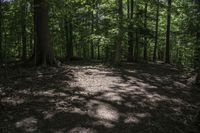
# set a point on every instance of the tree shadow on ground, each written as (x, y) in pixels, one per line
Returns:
(87, 98)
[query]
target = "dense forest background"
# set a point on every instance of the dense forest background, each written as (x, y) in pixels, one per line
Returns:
(115, 30)
(107, 66)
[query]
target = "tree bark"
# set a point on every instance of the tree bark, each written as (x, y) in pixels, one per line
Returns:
(92, 29)
(23, 30)
(197, 55)
(156, 33)
(44, 48)
(69, 39)
(97, 30)
(167, 54)
(136, 50)
(145, 37)
(1, 11)
(130, 32)
(120, 34)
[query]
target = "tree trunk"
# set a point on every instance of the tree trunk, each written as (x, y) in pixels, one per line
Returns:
(130, 32)
(167, 54)
(1, 11)
(145, 37)
(92, 30)
(156, 34)
(44, 48)
(23, 30)
(120, 34)
(136, 50)
(197, 55)
(69, 39)
(97, 30)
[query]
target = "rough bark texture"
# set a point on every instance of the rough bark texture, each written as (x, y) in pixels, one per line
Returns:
(43, 48)
(167, 54)
(1, 30)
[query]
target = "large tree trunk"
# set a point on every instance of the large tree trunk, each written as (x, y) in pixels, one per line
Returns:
(145, 37)
(167, 54)
(197, 50)
(23, 29)
(1, 30)
(156, 34)
(43, 48)
(120, 34)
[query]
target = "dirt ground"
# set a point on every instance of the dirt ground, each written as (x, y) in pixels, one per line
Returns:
(94, 98)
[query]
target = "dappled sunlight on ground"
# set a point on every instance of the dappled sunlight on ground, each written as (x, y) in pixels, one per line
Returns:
(97, 99)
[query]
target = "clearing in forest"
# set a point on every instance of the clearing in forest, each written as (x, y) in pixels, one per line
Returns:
(136, 98)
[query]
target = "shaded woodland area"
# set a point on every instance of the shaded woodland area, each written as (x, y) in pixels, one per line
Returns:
(99, 66)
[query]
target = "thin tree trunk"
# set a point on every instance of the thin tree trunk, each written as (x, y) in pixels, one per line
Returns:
(136, 52)
(97, 30)
(44, 48)
(69, 39)
(23, 28)
(130, 32)
(167, 54)
(145, 37)
(136, 47)
(92, 30)
(120, 34)
(156, 34)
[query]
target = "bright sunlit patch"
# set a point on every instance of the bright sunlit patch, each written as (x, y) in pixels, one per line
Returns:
(28, 124)
(107, 112)
(102, 111)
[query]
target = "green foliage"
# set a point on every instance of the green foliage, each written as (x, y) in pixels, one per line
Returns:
(95, 24)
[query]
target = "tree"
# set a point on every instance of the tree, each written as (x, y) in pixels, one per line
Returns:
(156, 33)
(145, 35)
(137, 33)
(44, 48)
(92, 28)
(130, 4)
(120, 34)
(167, 54)
(197, 56)
(23, 29)
(1, 30)
(87, 29)
(69, 38)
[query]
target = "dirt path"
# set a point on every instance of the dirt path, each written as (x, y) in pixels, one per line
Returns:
(98, 99)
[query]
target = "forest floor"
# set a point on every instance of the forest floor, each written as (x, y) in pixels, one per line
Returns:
(94, 98)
